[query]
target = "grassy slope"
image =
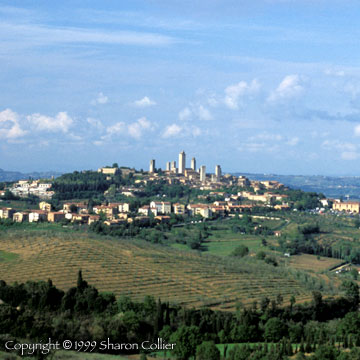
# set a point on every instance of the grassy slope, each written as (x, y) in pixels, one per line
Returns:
(137, 269)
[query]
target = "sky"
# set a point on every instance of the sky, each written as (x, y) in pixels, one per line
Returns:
(261, 86)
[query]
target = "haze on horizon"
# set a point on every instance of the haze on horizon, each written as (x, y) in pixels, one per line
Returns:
(267, 87)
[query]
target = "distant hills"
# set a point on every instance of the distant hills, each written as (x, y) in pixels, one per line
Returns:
(16, 175)
(330, 186)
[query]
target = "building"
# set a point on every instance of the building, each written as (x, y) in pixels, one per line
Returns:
(144, 210)
(93, 218)
(109, 210)
(20, 216)
(78, 207)
(182, 162)
(152, 166)
(80, 218)
(161, 207)
(199, 209)
(179, 209)
(37, 215)
(243, 181)
(43, 205)
(203, 173)
(168, 166)
(173, 167)
(193, 164)
(7, 213)
(108, 170)
(217, 173)
(55, 216)
(347, 206)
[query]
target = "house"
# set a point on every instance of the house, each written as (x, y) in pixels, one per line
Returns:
(7, 213)
(163, 218)
(162, 207)
(243, 181)
(43, 205)
(199, 209)
(144, 210)
(109, 170)
(282, 207)
(277, 233)
(80, 218)
(122, 207)
(55, 216)
(220, 210)
(93, 218)
(37, 215)
(179, 209)
(79, 207)
(140, 220)
(114, 222)
(347, 206)
(109, 210)
(20, 216)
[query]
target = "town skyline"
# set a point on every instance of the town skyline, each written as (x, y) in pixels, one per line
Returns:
(267, 87)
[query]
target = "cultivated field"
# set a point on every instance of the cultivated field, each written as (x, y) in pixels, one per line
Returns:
(313, 263)
(137, 269)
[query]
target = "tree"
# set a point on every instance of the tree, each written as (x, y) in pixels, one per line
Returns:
(352, 292)
(326, 352)
(240, 251)
(186, 338)
(207, 351)
(275, 329)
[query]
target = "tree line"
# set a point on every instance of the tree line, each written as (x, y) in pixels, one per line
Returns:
(38, 310)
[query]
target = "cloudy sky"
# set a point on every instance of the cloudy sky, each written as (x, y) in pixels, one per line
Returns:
(268, 87)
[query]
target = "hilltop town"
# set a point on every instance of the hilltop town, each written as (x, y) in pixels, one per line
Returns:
(218, 195)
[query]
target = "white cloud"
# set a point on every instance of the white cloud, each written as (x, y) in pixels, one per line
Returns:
(357, 130)
(204, 114)
(255, 147)
(61, 122)
(185, 114)
(291, 86)
(338, 145)
(9, 125)
(95, 123)
(144, 102)
(172, 130)
(195, 131)
(136, 129)
(199, 111)
(266, 136)
(117, 128)
(234, 93)
(293, 141)
(36, 35)
(332, 72)
(101, 99)
(350, 155)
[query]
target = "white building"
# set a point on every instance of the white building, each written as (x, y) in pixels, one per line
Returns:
(162, 207)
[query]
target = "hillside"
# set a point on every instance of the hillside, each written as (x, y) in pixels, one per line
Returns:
(17, 175)
(137, 269)
(330, 186)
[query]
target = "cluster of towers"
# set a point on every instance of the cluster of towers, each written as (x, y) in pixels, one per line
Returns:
(171, 167)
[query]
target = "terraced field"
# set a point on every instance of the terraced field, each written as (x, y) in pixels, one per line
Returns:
(137, 269)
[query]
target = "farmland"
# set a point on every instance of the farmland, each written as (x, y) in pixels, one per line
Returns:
(136, 269)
